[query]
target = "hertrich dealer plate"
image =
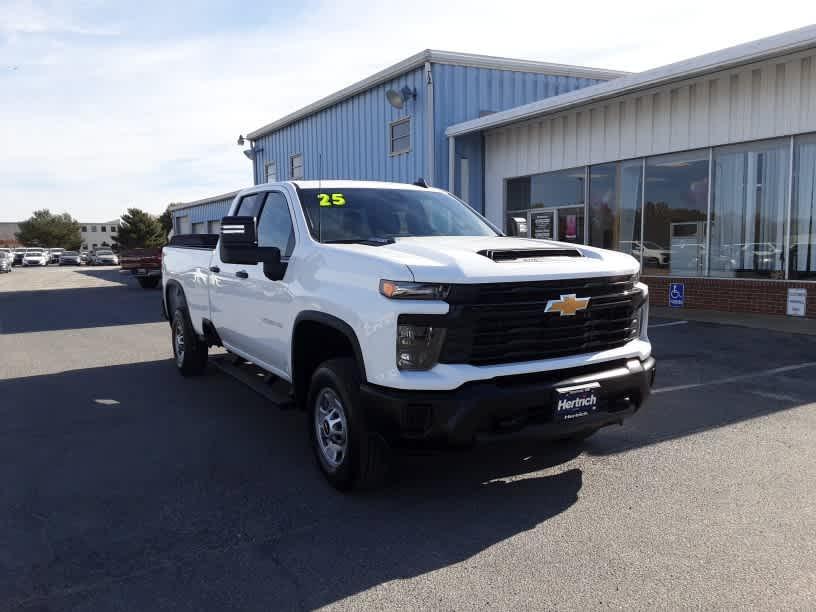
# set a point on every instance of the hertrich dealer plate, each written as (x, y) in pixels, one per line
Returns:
(576, 401)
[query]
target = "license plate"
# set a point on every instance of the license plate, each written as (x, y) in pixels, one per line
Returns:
(576, 402)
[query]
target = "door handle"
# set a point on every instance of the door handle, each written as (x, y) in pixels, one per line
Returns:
(215, 269)
(242, 274)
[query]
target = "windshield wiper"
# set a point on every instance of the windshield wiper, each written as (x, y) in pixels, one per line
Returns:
(373, 241)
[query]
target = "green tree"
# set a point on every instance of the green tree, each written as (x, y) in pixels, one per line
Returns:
(139, 229)
(45, 229)
(166, 220)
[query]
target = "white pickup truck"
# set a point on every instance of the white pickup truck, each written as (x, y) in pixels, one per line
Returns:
(396, 313)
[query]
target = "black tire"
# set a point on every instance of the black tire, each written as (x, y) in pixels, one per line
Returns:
(189, 351)
(365, 462)
(148, 282)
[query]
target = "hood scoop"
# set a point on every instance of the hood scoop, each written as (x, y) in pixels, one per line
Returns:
(505, 255)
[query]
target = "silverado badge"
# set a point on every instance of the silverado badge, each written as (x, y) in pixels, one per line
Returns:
(568, 305)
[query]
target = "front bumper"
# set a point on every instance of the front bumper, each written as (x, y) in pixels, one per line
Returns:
(508, 403)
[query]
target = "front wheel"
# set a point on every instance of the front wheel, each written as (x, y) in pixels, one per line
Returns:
(346, 452)
(189, 350)
(148, 282)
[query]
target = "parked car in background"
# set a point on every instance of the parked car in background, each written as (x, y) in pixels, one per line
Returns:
(70, 258)
(18, 257)
(54, 255)
(145, 265)
(105, 257)
(6, 259)
(85, 257)
(35, 257)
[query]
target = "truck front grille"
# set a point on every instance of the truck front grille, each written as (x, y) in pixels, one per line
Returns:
(507, 323)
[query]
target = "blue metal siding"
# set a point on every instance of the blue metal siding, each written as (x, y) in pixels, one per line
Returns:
(462, 93)
(211, 211)
(352, 137)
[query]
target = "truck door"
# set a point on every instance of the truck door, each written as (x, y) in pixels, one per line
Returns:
(267, 326)
(229, 290)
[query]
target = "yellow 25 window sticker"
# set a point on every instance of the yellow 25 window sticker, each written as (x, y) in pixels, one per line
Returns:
(334, 199)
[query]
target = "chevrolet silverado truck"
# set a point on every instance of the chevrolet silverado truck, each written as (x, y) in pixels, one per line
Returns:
(397, 314)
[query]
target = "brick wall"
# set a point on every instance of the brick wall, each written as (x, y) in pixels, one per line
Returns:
(737, 295)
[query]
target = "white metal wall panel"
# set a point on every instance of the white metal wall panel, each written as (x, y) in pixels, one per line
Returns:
(760, 100)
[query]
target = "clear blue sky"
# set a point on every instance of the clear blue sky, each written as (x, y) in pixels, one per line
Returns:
(106, 105)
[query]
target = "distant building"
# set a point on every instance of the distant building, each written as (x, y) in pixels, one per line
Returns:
(95, 234)
(7, 234)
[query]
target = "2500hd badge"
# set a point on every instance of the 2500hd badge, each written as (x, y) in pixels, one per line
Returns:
(397, 314)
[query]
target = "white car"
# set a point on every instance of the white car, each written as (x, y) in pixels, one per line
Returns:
(396, 313)
(35, 257)
(105, 257)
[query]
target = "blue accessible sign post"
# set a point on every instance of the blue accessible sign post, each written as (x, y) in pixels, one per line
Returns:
(677, 295)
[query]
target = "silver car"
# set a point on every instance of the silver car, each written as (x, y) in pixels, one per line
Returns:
(105, 257)
(6, 261)
(70, 258)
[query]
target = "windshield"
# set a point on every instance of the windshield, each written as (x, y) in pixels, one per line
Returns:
(70, 253)
(34, 252)
(104, 252)
(377, 214)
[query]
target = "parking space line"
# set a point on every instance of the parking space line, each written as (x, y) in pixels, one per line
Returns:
(730, 379)
(667, 324)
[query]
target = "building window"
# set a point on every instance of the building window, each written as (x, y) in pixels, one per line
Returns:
(562, 188)
(84, 228)
(802, 249)
(748, 210)
(93, 228)
(674, 233)
(215, 227)
(199, 228)
(296, 166)
(103, 228)
(271, 171)
(614, 206)
(400, 136)
(113, 229)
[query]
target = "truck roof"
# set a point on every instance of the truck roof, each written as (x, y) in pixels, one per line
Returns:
(342, 183)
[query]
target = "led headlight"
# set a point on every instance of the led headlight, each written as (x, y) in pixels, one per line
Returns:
(418, 346)
(401, 290)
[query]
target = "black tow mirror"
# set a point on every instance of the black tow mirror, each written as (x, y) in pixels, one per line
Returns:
(239, 240)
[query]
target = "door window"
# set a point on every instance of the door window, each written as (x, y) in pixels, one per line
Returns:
(250, 205)
(275, 226)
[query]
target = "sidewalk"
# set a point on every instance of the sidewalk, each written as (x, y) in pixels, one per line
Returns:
(791, 325)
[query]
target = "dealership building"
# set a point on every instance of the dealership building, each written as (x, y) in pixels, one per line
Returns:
(704, 169)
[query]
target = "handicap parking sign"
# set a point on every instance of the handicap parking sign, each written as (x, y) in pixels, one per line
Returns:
(677, 295)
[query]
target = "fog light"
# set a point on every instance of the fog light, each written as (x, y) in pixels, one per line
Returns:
(418, 346)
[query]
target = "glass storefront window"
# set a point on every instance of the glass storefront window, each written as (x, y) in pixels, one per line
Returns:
(614, 206)
(562, 188)
(802, 250)
(748, 210)
(674, 232)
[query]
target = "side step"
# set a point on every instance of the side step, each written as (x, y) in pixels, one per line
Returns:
(268, 385)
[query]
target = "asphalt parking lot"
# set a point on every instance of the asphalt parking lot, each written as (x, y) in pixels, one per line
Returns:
(125, 487)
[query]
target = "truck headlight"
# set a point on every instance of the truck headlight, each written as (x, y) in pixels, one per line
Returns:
(418, 346)
(402, 290)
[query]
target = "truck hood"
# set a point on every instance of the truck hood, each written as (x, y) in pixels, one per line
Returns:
(464, 259)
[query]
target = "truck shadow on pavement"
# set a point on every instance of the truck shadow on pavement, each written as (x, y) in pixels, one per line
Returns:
(77, 308)
(109, 274)
(128, 485)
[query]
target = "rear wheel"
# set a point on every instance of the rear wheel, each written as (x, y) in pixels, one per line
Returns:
(346, 452)
(148, 282)
(189, 350)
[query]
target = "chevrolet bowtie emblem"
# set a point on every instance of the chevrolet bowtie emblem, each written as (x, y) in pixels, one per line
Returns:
(568, 305)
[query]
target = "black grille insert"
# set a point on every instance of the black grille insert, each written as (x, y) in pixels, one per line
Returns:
(506, 322)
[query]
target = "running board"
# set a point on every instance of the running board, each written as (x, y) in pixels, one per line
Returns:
(268, 385)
